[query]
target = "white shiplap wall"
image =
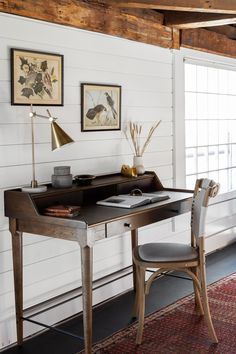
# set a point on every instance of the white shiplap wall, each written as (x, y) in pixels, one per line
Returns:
(145, 74)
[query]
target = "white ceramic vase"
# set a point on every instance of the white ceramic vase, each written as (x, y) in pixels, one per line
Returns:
(138, 164)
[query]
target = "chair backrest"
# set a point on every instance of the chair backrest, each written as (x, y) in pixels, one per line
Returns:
(204, 189)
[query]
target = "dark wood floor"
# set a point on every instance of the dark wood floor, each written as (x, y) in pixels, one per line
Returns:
(116, 314)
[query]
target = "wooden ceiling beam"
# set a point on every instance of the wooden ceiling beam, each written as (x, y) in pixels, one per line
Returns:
(185, 20)
(208, 41)
(134, 24)
(228, 31)
(142, 25)
(176, 38)
(214, 6)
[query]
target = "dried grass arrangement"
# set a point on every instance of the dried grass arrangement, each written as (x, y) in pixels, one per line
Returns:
(133, 133)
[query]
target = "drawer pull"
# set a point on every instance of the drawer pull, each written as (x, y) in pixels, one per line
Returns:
(126, 224)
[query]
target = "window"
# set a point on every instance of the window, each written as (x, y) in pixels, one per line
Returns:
(210, 124)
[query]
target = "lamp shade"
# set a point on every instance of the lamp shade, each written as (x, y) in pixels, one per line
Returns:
(59, 137)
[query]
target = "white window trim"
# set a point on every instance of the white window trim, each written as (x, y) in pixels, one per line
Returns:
(179, 103)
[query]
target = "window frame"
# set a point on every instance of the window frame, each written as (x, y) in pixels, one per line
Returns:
(179, 57)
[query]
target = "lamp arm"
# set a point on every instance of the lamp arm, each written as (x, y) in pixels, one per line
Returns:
(33, 114)
(59, 138)
(44, 117)
(41, 116)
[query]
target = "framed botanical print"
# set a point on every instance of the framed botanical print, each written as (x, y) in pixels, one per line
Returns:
(36, 78)
(100, 107)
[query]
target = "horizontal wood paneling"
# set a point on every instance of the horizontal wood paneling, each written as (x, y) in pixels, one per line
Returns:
(130, 98)
(87, 149)
(221, 240)
(71, 114)
(5, 239)
(11, 176)
(21, 133)
(77, 73)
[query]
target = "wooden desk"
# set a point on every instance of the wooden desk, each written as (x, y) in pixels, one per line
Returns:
(25, 212)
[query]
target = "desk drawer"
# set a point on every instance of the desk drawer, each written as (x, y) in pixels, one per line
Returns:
(147, 217)
(120, 226)
(133, 222)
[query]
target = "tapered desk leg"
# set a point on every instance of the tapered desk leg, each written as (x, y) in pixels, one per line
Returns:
(134, 243)
(87, 273)
(18, 277)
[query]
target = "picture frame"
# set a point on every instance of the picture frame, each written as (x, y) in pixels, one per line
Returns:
(100, 107)
(36, 78)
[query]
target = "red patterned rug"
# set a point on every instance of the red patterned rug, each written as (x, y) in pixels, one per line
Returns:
(177, 329)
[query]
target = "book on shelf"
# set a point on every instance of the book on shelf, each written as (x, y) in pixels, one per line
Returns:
(68, 211)
(132, 201)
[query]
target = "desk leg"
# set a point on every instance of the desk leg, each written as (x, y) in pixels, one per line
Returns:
(87, 273)
(18, 277)
(134, 243)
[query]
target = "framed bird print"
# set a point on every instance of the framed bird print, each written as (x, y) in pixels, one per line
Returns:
(36, 78)
(100, 107)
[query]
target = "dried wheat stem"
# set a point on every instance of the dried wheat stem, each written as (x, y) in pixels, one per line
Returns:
(127, 138)
(135, 131)
(151, 131)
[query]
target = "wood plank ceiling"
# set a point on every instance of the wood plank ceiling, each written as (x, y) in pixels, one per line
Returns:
(207, 25)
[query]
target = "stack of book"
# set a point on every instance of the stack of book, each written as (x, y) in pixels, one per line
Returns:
(65, 211)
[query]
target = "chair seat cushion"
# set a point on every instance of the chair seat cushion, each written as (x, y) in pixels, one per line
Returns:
(167, 252)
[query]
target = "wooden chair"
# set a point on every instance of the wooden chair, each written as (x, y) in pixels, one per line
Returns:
(174, 256)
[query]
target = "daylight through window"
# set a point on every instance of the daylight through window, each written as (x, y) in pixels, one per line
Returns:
(210, 124)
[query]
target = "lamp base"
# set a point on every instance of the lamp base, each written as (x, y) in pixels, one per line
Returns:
(38, 189)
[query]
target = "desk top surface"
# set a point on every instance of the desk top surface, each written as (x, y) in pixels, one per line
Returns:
(97, 214)
(21, 205)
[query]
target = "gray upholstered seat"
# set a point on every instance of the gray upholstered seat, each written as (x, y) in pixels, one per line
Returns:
(166, 252)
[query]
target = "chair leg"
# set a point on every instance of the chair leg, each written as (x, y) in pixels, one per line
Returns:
(206, 305)
(141, 300)
(198, 301)
(135, 311)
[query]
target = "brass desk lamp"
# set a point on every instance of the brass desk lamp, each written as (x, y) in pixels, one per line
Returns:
(59, 138)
